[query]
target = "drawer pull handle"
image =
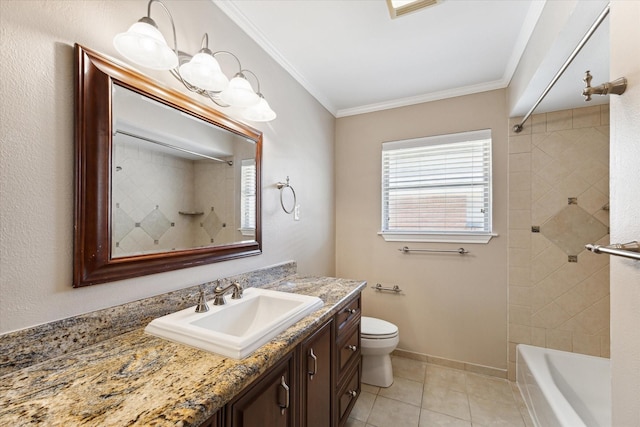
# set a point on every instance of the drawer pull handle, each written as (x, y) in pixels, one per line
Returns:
(352, 393)
(351, 310)
(352, 348)
(315, 365)
(285, 387)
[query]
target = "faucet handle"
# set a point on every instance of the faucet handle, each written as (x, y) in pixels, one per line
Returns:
(237, 291)
(587, 81)
(218, 294)
(202, 306)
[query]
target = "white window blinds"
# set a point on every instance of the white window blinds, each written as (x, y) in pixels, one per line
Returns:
(437, 185)
(248, 194)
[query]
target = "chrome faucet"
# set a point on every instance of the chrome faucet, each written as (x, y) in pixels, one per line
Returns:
(219, 292)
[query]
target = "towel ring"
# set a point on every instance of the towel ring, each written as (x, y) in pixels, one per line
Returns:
(281, 186)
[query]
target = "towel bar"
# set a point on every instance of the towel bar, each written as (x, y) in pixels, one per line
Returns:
(460, 251)
(379, 287)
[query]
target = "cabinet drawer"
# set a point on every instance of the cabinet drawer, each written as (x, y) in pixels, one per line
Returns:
(348, 315)
(348, 348)
(348, 394)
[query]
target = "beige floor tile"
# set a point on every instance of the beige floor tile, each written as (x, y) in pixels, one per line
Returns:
(490, 412)
(408, 368)
(392, 413)
(370, 388)
(446, 401)
(453, 379)
(490, 388)
(522, 407)
(362, 409)
(404, 390)
(352, 422)
(436, 419)
(450, 397)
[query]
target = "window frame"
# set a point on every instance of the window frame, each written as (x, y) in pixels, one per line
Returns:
(248, 193)
(439, 236)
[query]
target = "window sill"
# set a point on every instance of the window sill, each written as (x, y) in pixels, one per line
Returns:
(436, 238)
(251, 232)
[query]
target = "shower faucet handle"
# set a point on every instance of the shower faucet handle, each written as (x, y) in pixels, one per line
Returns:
(617, 87)
(587, 85)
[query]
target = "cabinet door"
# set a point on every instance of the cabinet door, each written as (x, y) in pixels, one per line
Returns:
(316, 378)
(268, 403)
(213, 421)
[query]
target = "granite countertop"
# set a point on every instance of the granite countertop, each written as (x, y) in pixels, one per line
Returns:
(138, 379)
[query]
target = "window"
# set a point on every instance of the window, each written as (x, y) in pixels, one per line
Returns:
(402, 7)
(437, 188)
(248, 197)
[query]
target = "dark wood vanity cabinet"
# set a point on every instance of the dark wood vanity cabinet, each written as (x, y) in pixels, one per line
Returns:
(316, 378)
(348, 361)
(270, 401)
(214, 421)
(315, 385)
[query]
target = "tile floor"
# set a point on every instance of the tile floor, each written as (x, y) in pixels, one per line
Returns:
(425, 395)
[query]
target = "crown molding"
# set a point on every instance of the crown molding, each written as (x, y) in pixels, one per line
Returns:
(427, 97)
(232, 11)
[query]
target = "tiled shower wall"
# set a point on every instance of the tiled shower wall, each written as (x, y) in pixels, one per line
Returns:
(558, 202)
(163, 202)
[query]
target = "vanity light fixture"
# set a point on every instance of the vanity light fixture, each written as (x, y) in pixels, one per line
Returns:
(144, 45)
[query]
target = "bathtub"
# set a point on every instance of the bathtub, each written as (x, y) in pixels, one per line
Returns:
(564, 389)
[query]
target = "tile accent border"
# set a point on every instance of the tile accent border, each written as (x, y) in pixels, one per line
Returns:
(454, 364)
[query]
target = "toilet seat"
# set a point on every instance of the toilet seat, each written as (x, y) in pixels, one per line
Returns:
(372, 328)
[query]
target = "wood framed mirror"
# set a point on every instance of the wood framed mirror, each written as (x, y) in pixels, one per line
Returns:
(162, 182)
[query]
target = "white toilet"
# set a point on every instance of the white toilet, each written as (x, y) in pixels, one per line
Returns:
(378, 338)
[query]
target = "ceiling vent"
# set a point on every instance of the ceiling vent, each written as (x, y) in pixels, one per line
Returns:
(402, 7)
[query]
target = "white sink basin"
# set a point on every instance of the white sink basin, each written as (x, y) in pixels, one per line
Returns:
(239, 327)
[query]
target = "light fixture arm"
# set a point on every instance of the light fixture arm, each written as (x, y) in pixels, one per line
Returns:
(205, 42)
(149, 20)
(229, 53)
(255, 77)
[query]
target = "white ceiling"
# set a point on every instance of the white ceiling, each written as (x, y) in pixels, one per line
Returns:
(353, 58)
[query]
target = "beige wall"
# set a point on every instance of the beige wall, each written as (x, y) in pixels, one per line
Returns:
(451, 307)
(36, 156)
(625, 209)
(555, 303)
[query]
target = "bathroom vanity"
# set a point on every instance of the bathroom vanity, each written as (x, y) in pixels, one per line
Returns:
(317, 383)
(309, 375)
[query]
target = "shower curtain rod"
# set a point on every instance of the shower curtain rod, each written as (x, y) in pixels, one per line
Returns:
(164, 144)
(518, 128)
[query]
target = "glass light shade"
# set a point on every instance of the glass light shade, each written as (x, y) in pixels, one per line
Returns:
(261, 112)
(203, 71)
(144, 45)
(239, 93)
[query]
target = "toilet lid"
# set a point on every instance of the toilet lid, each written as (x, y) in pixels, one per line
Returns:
(377, 328)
